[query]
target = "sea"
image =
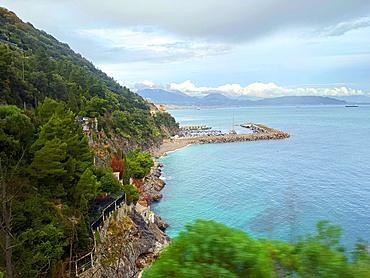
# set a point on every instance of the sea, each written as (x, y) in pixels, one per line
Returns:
(274, 189)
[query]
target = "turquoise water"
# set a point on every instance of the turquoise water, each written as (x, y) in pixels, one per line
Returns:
(274, 189)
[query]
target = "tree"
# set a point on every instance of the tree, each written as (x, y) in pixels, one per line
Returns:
(71, 159)
(210, 249)
(132, 194)
(50, 160)
(42, 62)
(126, 171)
(315, 257)
(96, 106)
(5, 60)
(16, 134)
(87, 186)
(46, 246)
(46, 110)
(109, 183)
(139, 163)
(10, 186)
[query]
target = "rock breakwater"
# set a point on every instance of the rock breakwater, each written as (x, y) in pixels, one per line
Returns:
(264, 133)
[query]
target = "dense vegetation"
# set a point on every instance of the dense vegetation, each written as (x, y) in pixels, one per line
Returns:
(34, 65)
(48, 179)
(210, 249)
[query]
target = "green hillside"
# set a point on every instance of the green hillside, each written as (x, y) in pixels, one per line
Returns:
(48, 178)
(35, 65)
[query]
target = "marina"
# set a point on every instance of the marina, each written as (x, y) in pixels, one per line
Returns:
(207, 135)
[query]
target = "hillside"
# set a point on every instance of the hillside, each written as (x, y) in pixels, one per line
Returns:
(65, 127)
(35, 65)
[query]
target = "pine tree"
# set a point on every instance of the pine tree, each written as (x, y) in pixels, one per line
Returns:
(87, 186)
(5, 60)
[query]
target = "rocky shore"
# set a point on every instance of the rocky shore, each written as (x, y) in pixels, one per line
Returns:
(150, 186)
(144, 238)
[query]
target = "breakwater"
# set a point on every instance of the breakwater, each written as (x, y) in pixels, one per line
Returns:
(262, 133)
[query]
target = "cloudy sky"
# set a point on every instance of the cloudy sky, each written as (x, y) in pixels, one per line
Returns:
(264, 48)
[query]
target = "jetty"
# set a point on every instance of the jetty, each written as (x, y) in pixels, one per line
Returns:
(260, 132)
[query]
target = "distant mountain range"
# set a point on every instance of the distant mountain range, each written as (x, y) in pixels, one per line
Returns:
(166, 97)
(219, 100)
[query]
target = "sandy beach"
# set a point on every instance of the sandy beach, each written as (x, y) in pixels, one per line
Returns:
(167, 147)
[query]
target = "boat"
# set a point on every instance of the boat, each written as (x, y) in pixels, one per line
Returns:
(355, 105)
(233, 132)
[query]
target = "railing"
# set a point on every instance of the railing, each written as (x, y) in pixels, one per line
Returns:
(85, 262)
(81, 264)
(107, 211)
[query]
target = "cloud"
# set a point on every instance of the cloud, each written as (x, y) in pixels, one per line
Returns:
(149, 44)
(214, 42)
(146, 84)
(254, 89)
(344, 27)
(232, 21)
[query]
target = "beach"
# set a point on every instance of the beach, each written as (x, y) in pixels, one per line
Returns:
(167, 147)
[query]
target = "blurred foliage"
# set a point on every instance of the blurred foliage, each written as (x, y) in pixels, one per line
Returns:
(210, 249)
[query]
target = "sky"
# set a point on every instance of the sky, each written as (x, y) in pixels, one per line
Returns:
(264, 48)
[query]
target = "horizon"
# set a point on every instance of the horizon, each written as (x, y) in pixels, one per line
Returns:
(265, 49)
(248, 97)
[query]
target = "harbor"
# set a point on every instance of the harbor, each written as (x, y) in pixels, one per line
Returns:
(206, 135)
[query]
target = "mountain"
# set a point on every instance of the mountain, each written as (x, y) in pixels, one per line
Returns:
(166, 97)
(215, 96)
(36, 66)
(300, 100)
(220, 100)
(244, 97)
(65, 126)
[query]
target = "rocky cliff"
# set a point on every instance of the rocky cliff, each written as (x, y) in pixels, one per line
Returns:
(150, 186)
(126, 244)
(132, 244)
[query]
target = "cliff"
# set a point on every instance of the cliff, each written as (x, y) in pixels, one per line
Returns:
(133, 244)
(103, 147)
(126, 243)
(150, 186)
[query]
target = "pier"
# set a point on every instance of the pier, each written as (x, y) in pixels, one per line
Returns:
(261, 132)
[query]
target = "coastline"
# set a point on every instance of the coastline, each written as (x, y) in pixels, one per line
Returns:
(168, 147)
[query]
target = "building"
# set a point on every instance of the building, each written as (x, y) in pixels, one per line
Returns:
(153, 110)
(145, 212)
(89, 126)
(196, 127)
(162, 109)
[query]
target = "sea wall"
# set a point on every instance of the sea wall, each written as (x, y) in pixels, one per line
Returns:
(264, 133)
